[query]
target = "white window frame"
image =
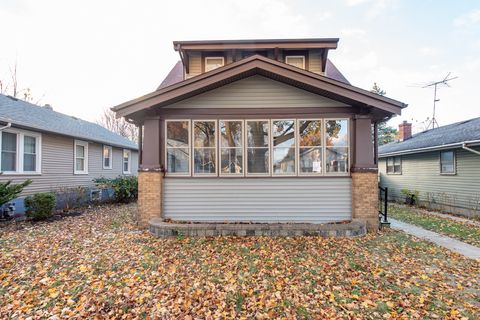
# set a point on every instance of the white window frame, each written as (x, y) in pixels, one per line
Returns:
(393, 163)
(192, 149)
(85, 158)
(189, 147)
(111, 157)
(349, 149)
(244, 143)
(20, 152)
(208, 58)
(322, 147)
(268, 174)
(129, 152)
(295, 146)
(295, 57)
(454, 163)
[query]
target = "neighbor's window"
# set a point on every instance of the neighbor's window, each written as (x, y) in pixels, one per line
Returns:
(204, 148)
(81, 157)
(296, 61)
(107, 157)
(258, 142)
(127, 161)
(283, 155)
(20, 152)
(310, 146)
(231, 147)
(447, 162)
(178, 147)
(394, 165)
(336, 137)
(212, 63)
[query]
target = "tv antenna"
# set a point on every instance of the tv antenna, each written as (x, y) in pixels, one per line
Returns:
(433, 122)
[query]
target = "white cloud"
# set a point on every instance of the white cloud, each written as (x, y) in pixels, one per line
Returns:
(428, 51)
(353, 32)
(470, 18)
(375, 7)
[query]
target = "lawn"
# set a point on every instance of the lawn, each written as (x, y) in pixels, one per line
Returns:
(98, 265)
(456, 229)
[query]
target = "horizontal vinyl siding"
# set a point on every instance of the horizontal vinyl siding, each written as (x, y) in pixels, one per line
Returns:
(257, 92)
(314, 200)
(57, 166)
(422, 172)
(194, 64)
(315, 61)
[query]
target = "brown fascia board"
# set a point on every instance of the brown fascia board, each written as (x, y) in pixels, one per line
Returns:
(322, 43)
(258, 62)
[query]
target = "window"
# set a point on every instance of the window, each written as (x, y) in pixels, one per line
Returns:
(204, 148)
(296, 61)
(212, 63)
(447, 162)
(336, 137)
(81, 157)
(107, 157)
(283, 152)
(127, 154)
(310, 146)
(178, 147)
(231, 147)
(258, 138)
(394, 165)
(20, 152)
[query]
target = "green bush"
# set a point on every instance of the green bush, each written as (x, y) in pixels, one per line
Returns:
(125, 188)
(9, 191)
(40, 206)
(411, 197)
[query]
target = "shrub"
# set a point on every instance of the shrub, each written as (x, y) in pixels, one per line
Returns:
(40, 206)
(9, 191)
(411, 197)
(71, 197)
(125, 188)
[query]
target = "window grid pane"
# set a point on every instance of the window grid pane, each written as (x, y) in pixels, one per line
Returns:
(231, 147)
(178, 147)
(9, 151)
(258, 141)
(283, 156)
(204, 150)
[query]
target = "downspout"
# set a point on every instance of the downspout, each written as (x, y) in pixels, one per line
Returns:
(464, 146)
(9, 124)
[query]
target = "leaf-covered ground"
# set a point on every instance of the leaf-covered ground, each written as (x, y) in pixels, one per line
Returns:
(98, 266)
(453, 228)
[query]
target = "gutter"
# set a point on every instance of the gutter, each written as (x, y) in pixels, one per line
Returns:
(464, 146)
(434, 148)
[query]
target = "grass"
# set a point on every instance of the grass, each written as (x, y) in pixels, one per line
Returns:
(97, 265)
(462, 231)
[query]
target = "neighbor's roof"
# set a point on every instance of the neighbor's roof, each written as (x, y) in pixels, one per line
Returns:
(452, 135)
(176, 74)
(30, 116)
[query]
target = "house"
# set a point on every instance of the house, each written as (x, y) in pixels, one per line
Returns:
(258, 131)
(442, 164)
(56, 151)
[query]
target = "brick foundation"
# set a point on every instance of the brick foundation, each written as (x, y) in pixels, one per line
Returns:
(149, 196)
(365, 198)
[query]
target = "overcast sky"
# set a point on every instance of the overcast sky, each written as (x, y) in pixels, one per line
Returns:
(84, 56)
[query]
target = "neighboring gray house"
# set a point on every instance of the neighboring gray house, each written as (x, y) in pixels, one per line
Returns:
(442, 164)
(58, 152)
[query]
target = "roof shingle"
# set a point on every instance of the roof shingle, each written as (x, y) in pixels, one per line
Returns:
(28, 115)
(455, 133)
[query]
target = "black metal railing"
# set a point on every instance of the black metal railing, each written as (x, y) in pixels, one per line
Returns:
(383, 205)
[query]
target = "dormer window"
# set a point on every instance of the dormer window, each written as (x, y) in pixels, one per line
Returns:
(212, 63)
(296, 61)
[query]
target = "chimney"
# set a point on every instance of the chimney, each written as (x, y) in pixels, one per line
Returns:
(404, 131)
(48, 106)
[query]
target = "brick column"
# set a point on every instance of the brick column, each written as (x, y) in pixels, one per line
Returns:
(365, 197)
(149, 196)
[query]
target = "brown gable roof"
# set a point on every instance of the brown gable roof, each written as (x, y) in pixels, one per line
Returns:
(273, 69)
(176, 74)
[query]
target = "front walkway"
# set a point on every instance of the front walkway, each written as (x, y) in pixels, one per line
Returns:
(460, 247)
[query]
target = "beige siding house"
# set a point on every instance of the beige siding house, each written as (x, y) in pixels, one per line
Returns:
(258, 131)
(56, 151)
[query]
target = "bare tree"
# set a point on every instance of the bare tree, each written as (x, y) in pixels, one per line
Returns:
(118, 125)
(12, 88)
